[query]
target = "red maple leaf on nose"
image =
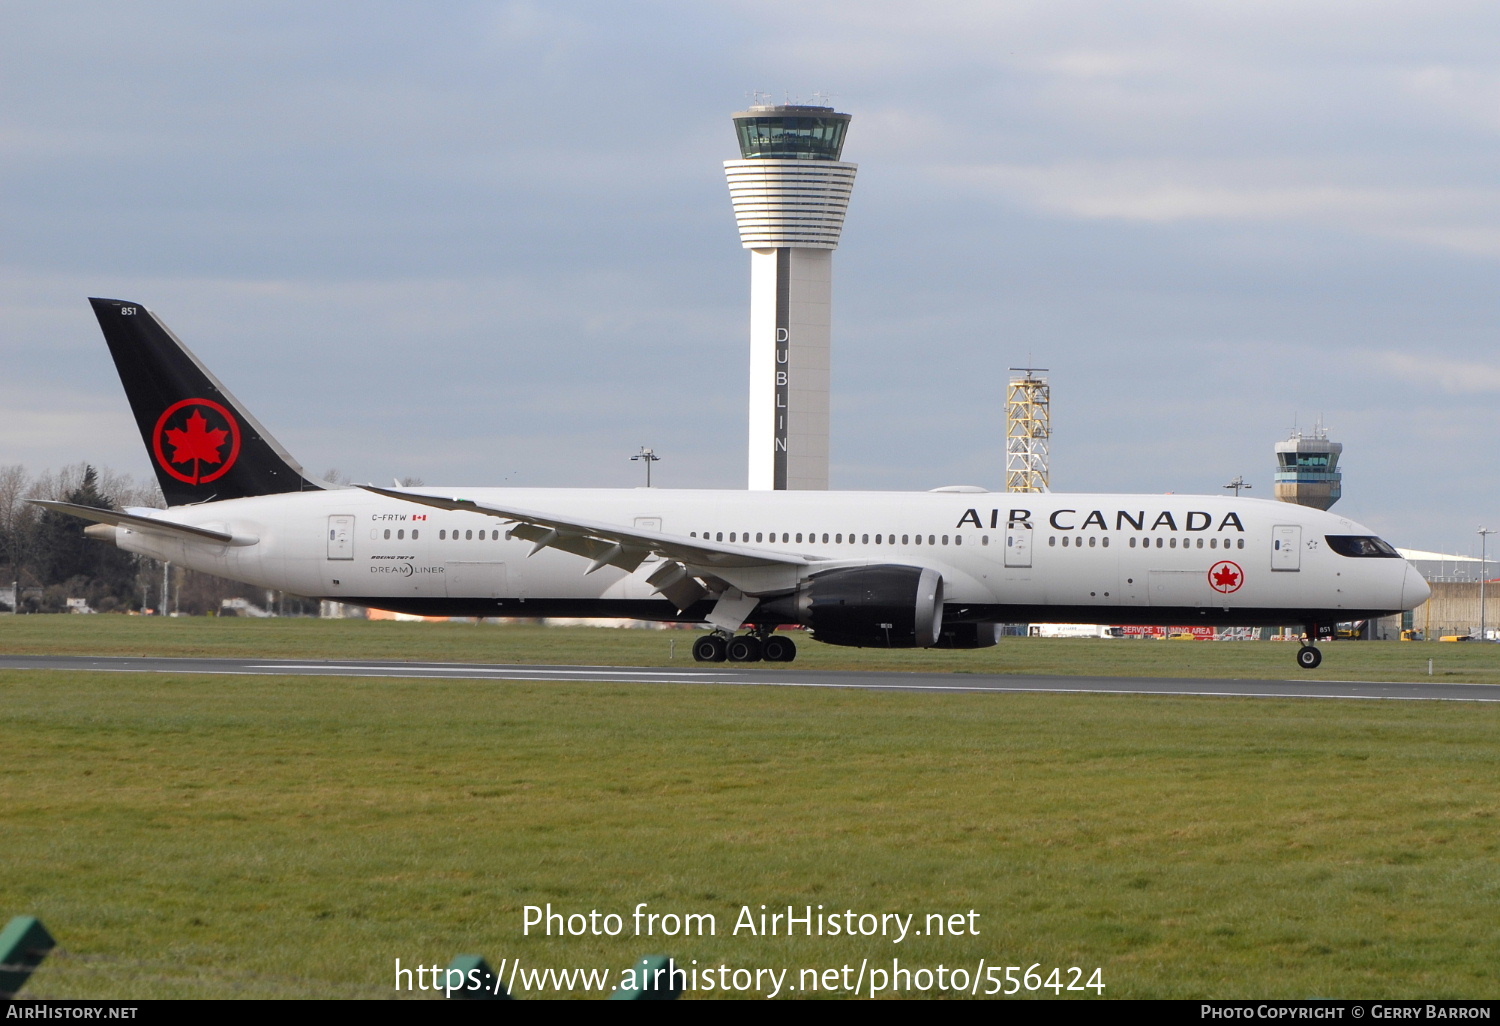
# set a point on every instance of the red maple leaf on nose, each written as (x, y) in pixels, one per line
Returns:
(196, 442)
(1225, 578)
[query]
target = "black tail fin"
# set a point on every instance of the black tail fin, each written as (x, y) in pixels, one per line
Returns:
(203, 444)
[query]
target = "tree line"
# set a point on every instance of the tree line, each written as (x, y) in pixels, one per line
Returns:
(48, 559)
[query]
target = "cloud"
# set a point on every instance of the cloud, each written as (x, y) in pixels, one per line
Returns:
(1457, 377)
(1463, 219)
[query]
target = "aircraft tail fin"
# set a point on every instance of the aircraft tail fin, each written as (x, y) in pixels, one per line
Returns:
(204, 445)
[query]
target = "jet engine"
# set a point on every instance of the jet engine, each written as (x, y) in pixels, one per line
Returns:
(885, 606)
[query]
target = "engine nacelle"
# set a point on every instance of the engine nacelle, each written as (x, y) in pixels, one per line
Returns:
(887, 606)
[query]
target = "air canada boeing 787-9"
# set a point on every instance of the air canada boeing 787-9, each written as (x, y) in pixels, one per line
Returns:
(898, 569)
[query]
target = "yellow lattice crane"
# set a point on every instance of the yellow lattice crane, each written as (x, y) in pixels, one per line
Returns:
(1028, 427)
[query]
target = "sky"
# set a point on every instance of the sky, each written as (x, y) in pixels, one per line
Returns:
(490, 243)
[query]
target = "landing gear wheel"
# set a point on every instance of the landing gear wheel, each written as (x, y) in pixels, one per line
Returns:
(776, 649)
(744, 649)
(709, 649)
(1309, 657)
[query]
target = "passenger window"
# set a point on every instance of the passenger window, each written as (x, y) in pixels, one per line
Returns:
(1106, 541)
(905, 540)
(387, 534)
(442, 536)
(1052, 540)
(864, 539)
(930, 540)
(1242, 543)
(945, 539)
(984, 539)
(1092, 541)
(413, 534)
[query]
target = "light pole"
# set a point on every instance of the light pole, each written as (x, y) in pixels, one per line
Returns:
(1484, 572)
(1237, 484)
(650, 458)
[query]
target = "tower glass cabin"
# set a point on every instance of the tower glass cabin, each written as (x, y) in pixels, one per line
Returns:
(790, 191)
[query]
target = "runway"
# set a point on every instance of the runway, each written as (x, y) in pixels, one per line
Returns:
(779, 675)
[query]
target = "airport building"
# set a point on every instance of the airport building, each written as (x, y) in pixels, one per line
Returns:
(790, 191)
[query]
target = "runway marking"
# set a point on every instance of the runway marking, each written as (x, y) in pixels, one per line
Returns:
(696, 677)
(910, 682)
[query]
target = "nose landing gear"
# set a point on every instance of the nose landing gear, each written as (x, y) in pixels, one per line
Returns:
(1308, 656)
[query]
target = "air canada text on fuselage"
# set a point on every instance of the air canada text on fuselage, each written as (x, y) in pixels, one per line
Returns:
(1115, 520)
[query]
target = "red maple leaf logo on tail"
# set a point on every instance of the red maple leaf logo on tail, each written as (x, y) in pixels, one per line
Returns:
(197, 442)
(196, 445)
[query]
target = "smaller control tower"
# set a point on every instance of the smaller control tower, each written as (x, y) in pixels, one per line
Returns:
(1307, 469)
(790, 191)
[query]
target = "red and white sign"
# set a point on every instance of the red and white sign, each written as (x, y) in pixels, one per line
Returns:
(1163, 632)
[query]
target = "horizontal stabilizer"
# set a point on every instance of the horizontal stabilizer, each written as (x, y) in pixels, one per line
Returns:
(133, 522)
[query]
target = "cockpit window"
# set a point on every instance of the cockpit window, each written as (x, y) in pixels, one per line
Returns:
(1361, 545)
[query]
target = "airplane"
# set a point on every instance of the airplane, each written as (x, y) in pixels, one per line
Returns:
(943, 568)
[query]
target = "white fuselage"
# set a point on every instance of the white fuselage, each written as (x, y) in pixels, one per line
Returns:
(1003, 557)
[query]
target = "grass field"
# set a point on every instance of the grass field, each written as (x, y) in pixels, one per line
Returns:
(515, 643)
(235, 836)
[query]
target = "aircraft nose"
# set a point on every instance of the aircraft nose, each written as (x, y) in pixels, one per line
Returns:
(1414, 589)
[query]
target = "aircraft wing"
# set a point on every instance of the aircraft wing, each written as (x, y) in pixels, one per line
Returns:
(134, 522)
(753, 571)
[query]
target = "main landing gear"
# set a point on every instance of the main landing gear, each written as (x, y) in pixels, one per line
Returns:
(744, 648)
(1308, 656)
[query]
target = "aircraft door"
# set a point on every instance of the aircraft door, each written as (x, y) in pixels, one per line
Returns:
(1018, 546)
(1286, 547)
(341, 536)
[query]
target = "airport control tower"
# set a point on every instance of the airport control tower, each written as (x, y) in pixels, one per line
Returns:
(1307, 469)
(790, 191)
